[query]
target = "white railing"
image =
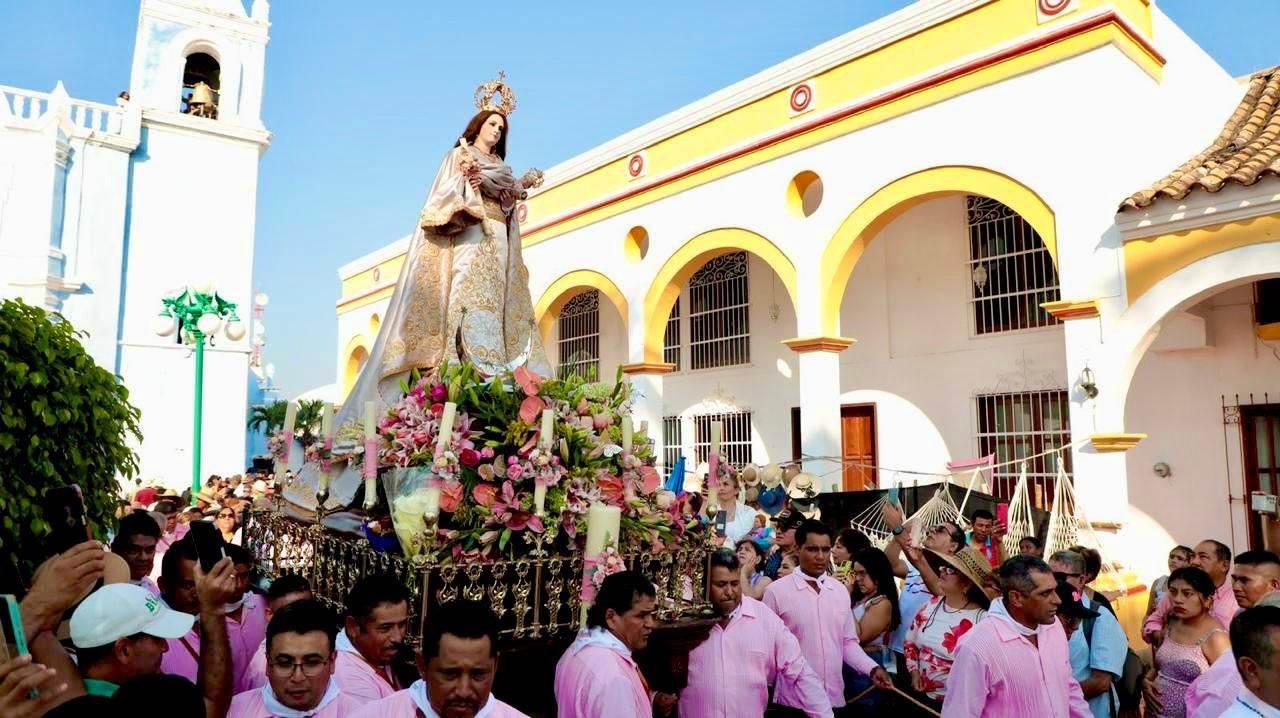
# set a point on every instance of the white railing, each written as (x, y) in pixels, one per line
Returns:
(29, 106)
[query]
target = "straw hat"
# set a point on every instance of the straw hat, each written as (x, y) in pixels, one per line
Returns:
(750, 475)
(771, 476)
(803, 492)
(973, 565)
(207, 494)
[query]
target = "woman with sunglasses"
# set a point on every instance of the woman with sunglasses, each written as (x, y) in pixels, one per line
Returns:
(930, 645)
(228, 523)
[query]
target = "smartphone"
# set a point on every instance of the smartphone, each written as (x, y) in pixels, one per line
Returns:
(1002, 514)
(15, 640)
(209, 544)
(722, 523)
(68, 524)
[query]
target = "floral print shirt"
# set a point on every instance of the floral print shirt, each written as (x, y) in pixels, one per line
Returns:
(930, 646)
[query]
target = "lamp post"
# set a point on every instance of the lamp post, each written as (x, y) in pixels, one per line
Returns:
(198, 314)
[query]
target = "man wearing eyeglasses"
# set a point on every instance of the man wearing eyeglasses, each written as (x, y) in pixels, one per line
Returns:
(300, 663)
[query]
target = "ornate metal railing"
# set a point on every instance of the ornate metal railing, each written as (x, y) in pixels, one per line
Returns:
(534, 597)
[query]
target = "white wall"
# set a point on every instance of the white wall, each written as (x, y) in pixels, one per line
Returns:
(917, 357)
(194, 196)
(1176, 398)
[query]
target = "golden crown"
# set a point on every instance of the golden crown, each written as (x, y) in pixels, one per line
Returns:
(499, 89)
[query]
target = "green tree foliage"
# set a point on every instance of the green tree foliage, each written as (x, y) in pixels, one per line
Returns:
(267, 418)
(63, 420)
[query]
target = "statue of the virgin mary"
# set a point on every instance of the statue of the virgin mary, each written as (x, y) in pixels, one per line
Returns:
(463, 292)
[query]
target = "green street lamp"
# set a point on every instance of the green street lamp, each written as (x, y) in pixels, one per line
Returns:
(197, 314)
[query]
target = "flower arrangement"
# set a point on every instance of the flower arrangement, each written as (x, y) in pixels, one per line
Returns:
(608, 563)
(504, 488)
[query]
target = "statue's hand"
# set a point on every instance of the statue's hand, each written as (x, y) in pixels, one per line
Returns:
(531, 179)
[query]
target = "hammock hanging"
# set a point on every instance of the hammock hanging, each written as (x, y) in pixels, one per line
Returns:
(1020, 521)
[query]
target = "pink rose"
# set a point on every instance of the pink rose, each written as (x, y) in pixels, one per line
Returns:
(666, 500)
(450, 496)
(486, 453)
(484, 494)
(529, 382)
(439, 393)
(469, 458)
(530, 409)
(514, 472)
(650, 480)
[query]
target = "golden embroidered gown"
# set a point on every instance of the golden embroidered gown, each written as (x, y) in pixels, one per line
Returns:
(463, 269)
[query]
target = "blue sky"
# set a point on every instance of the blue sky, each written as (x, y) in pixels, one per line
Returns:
(364, 99)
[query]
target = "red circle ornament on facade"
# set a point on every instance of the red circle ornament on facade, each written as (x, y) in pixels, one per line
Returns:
(635, 165)
(801, 96)
(1053, 7)
(522, 213)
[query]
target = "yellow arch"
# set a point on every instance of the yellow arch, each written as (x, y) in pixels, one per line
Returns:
(357, 353)
(864, 223)
(689, 259)
(569, 286)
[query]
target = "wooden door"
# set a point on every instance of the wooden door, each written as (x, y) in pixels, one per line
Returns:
(1260, 431)
(858, 446)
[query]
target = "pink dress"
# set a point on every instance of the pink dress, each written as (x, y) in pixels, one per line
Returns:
(1180, 664)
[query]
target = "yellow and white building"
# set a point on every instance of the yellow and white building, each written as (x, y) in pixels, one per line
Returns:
(907, 247)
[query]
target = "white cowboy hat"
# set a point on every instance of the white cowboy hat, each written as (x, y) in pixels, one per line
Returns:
(802, 493)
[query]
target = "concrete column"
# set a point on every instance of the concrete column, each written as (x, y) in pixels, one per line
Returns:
(820, 429)
(646, 397)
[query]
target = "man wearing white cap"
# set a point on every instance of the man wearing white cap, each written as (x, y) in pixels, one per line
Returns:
(121, 632)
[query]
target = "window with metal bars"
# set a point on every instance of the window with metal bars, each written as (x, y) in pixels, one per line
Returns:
(671, 338)
(672, 442)
(579, 341)
(735, 437)
(1025, 424)
(719, 327)
(1010, 270)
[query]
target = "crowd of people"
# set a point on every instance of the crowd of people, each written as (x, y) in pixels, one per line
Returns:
(808, 622)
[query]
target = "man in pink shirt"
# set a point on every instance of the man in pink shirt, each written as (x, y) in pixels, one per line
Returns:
(1015, 662)
(246, 617)
(730, 672)
(460, 649)
(135, 542)
(1255, 579)
(815, 608)
(597, 677)
(300, 639)
(283, 591)
(1214, 558)
(180, 589)
(377, 620)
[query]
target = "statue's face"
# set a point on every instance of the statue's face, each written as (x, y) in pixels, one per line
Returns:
(492, 129)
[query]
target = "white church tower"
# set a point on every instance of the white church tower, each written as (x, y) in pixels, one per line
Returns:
(198, 71)
(106, 208)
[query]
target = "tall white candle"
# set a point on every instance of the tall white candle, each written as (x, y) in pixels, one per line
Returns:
(370, 424)
(539, 499)
(326, 422)
(627, 433)
(548, 428)
(446, 428)
(290, 419)
(717, 429)
(603, 522)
